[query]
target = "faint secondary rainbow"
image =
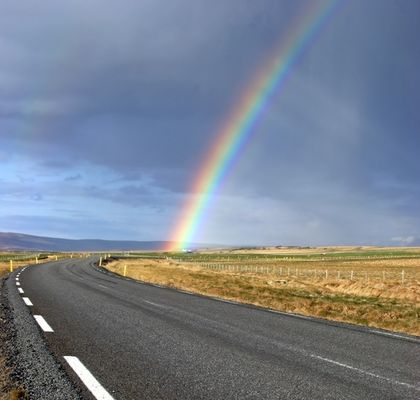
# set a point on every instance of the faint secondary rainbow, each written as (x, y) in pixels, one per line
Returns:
(238, 128)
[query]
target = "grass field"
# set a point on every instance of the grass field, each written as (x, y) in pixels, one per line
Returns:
(307, 281)
(20, 259)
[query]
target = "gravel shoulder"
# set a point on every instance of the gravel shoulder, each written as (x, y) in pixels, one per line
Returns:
(33, 369)
(9, 387)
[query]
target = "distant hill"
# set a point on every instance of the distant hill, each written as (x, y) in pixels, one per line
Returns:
(20, 241)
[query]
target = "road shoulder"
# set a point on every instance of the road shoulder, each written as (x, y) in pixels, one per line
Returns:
(32, 365)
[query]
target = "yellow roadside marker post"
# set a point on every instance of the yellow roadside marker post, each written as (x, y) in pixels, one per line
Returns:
(100, 261)
(125, 270)
(11, 265)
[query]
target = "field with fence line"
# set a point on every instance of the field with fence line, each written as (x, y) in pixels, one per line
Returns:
(380, 289)
(375, 265)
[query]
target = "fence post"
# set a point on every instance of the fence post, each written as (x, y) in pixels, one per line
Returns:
(326, 274)
(100, 261)
(402, 277)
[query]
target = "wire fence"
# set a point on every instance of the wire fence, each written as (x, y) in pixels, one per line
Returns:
(304, 258)
(21, 257)
(394, 275)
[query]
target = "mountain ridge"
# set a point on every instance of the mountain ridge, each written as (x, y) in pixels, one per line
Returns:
(22, 241)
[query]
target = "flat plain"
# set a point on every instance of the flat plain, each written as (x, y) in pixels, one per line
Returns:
(377, 287)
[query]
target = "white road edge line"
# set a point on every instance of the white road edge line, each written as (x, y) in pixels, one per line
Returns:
(21, 290)
(88, 379)
(17, 283)
(27, 301)
(154, 304)
(361, 371)
(43, 324)
(389, 334)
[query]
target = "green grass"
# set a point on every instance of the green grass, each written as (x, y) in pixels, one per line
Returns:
(352, 255)
(328, 254)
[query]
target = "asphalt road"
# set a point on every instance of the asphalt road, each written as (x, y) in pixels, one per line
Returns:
(144, 342)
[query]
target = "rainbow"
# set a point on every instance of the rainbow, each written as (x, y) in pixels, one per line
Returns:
(238, 129)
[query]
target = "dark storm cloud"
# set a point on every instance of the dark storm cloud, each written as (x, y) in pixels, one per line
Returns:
(150, 79)
(110, 109)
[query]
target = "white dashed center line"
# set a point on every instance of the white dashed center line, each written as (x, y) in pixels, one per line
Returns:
(43, 324)
(21, 290)
(27, 301)
(17, 283)
(88, 379)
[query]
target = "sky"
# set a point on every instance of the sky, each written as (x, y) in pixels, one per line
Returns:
(108, 108)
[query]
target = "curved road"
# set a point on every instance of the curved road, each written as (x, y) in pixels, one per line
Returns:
(144, 342)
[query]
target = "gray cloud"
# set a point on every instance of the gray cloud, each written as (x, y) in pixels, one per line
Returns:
(121, 103)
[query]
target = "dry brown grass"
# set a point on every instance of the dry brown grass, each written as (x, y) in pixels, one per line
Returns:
(4, 269)
(387, 305)
(5, 265)
(373, 269)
